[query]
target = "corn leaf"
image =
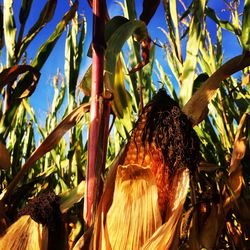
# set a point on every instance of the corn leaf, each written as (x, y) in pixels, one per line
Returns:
(149, 9)
(49, 143)
(45, 16)
(45, 50)
(69, 198)
(192, 49)
(222, 23)
(197, 105)
(4, 157)
(9, 32)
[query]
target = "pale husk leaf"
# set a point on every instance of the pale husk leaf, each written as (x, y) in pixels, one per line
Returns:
(134, 214)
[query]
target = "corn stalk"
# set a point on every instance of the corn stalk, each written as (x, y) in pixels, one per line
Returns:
(99, 116)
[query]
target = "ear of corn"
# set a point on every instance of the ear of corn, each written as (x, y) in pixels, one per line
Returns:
(150, 184)
(164, 141)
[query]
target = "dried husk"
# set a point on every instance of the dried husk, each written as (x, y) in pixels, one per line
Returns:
(26, 234)
(134, 215)
(163, 237)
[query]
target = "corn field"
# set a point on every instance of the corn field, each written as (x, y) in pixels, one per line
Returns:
(148, 148)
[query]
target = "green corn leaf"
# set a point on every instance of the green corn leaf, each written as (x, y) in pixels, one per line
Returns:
(129, 8)
(165, 79)
(70, 197)
(114, 47)
(121, 104)
(59, 94)
(73, 57)
(222, 23)
(85, 84)
(48, 144)
(45, 16)
(147, 72)
(192, 49)
(245, 38)
(173, 28)
(9, 32)
(23, 16)
(219, 53)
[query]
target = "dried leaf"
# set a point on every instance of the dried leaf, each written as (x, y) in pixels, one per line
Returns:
(9, 75)
(149, 9)
(197, 105)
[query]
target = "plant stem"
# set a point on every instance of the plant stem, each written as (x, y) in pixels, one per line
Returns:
(97, 141)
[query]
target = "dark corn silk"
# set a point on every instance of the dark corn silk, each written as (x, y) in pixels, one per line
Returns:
(164, 140)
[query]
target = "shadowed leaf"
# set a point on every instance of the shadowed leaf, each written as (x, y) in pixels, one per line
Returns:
(149, 9)
(4, 157)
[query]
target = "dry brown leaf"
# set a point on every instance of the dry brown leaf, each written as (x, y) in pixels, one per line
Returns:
(209, 231)
(9, 75)
(4, 157)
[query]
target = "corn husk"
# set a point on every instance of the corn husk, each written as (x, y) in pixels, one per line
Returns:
(163, 237)
(26, 234)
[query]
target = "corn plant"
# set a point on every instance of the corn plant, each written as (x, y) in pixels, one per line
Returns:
(176, 171)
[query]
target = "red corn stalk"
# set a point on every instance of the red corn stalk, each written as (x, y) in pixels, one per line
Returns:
(99, 116)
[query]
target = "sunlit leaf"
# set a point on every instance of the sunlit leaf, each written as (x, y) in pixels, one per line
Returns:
(69, 198)
(192, 49)
(9, 31)
(245, 37)
(45, 50)
(197, 105)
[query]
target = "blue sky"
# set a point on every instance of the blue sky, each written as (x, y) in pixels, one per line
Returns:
(43, 96)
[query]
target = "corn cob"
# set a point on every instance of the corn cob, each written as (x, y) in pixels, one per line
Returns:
(164, 140)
